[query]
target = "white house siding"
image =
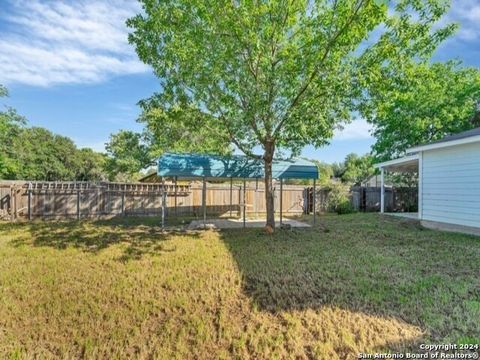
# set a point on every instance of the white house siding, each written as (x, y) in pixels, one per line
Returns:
(451, 185)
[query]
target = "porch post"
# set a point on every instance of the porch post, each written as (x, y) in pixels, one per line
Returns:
(382, 190)
(314, 199)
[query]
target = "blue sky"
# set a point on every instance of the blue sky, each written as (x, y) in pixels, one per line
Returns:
(69, 68)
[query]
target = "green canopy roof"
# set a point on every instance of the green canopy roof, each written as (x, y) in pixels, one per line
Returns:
(235, 166)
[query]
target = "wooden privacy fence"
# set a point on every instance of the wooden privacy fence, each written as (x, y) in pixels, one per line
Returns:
(397, 199)
(30, 200)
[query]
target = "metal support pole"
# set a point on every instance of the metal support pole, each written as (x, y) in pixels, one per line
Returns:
(78, 204)
(163, 203)
(281, 201)
(244, 202)
(231, 196)
(382, 191)
(306, 196)
(30, 201)
(204, 203)
(255, 205)
(164, 198)
(314, 200)
(176, 178)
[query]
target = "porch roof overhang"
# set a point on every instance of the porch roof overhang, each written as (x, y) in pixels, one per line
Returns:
(407, 163)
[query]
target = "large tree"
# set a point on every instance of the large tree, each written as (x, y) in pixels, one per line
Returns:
(90, 165)
(357, 168)
(277, 74)
(42, 155)
(181, 129)
(419, 103)
(127, 155)
(38, 154)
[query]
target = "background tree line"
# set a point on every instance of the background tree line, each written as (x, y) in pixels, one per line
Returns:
(35, 153)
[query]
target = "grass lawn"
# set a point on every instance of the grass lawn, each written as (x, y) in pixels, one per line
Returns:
(121, 288)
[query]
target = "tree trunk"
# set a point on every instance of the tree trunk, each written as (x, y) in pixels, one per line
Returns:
(269, 198)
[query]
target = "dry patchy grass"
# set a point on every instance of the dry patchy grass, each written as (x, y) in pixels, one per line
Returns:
(122, 288)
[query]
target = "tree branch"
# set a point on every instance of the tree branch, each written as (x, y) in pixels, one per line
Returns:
(314, 73)
(229, 130)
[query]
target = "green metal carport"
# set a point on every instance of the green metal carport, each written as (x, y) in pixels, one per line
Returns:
(214, 167)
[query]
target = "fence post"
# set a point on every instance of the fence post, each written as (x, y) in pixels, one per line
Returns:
(163, 208)
(239, 213)
(163, 203)
(78, 204)
(12, 203)
(363, 199)
(305, 200)
(29, 201)
(281, 200)
(231, 196)
(123, 202)
(314, 200)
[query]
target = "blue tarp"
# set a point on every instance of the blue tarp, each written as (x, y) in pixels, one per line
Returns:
(235, 166)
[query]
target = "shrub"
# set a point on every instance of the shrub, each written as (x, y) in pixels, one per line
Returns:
(345, 207)
(339, 199)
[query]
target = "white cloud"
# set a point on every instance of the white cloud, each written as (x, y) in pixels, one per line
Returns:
(58, 42)
(467, 14)
(357, 129)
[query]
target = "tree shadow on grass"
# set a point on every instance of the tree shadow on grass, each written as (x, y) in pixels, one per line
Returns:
(378, 266)
(366, 274)
(142, 236)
